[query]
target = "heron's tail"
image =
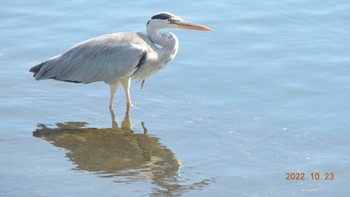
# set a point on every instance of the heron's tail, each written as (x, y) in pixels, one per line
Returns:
(46, 70)
(36, 69)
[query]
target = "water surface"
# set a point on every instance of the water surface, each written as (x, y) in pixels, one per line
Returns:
(264, 94)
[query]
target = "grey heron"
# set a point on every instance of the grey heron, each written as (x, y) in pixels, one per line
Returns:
(118, 57)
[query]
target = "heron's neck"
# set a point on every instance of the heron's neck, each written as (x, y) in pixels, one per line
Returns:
(165, 40)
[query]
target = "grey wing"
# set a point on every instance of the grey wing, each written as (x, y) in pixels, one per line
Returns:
(105, 58)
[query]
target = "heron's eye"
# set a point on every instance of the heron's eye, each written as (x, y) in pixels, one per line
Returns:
(171, 20)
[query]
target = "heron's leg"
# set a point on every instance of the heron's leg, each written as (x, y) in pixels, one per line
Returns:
(113, 87)
(126, 85)
(142, 83)
(114, 122)
(126, 124)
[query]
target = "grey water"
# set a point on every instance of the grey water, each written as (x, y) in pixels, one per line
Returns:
(264, 94)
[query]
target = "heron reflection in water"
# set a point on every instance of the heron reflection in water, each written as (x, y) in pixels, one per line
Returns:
(120, 153)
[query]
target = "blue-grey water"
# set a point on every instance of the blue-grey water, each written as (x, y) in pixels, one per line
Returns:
(264, 94)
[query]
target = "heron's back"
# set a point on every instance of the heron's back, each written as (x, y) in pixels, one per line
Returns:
(104, 58)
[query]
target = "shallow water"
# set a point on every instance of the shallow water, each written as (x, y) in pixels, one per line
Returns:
(264, 94)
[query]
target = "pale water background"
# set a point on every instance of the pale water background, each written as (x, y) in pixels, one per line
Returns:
(266, 93)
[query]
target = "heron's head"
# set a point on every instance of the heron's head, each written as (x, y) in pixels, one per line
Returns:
(165, 20)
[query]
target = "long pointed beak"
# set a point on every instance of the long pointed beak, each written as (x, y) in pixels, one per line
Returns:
(189, 25)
